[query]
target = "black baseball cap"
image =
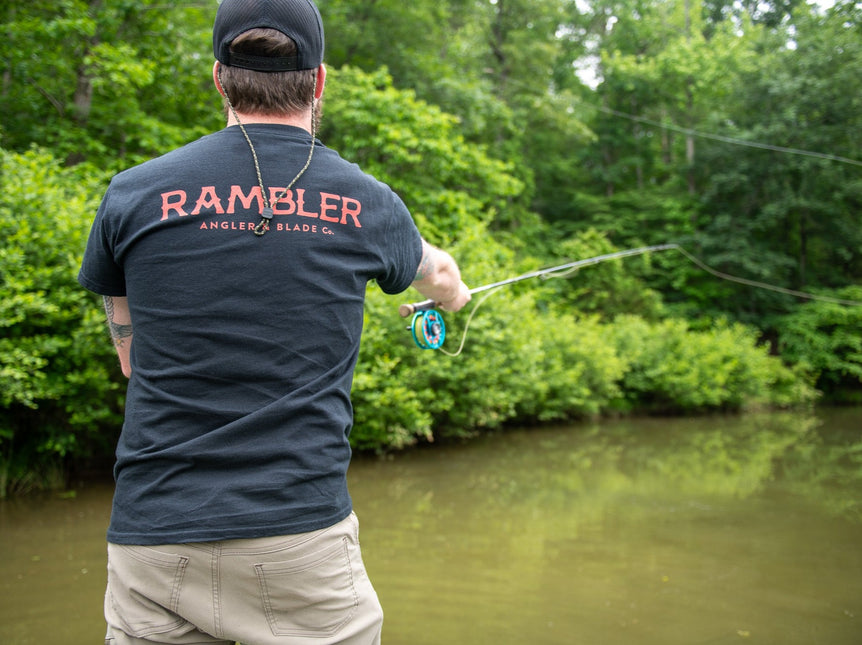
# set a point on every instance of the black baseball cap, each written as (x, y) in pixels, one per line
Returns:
(297, 19)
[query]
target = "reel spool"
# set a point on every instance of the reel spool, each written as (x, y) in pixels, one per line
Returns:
(428, 329)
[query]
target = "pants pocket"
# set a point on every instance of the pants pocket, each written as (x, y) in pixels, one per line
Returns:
(313, 595)
(143, 590)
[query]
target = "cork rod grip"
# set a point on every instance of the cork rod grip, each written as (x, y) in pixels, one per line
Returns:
(408, 309)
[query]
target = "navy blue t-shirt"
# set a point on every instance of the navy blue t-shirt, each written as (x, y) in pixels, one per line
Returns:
(238, 409)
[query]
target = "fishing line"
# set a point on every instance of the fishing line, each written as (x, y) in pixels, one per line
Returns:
(429, 330)
(669, 125)
(721, 137)
(467, 325)
(763, 285)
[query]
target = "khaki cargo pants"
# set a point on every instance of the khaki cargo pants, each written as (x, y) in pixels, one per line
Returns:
(288, 590)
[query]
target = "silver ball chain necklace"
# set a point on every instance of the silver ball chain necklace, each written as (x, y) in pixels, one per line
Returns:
(265, 217)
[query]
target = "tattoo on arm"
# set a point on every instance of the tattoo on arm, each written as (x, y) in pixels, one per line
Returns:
(119, 332)
(426, 266)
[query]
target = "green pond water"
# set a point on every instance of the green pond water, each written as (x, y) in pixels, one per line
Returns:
(635, 532)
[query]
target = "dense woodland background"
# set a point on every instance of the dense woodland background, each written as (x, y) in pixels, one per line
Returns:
(522, 134)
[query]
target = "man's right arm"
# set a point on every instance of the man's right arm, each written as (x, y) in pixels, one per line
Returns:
(439, 279)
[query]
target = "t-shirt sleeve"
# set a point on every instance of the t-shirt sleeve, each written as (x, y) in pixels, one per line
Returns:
(100, 271)
(402, 249)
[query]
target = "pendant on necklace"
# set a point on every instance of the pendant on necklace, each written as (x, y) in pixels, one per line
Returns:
(263, 226)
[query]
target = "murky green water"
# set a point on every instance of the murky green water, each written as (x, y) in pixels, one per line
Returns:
(664, 532)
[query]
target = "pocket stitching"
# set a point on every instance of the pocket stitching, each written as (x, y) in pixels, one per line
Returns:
(285, 568)
(164, 561)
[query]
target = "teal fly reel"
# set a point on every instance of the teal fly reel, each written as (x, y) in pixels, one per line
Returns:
(428, 328)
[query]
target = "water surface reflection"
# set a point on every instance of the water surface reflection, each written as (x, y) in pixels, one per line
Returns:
(684, 531)
(648, 531)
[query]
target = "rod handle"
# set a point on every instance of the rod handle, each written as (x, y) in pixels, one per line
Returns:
(408, 309)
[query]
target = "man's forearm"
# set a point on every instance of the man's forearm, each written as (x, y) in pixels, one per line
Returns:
(120, 325)
(439, 279)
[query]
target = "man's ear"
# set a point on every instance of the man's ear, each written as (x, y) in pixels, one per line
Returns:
(321, 81)
(215, 78)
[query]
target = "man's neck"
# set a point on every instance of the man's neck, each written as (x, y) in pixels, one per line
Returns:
(297, 120)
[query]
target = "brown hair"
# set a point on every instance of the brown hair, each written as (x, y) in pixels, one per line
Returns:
(270, 93)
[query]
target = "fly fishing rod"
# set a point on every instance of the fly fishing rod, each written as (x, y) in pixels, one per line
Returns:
(429, 330)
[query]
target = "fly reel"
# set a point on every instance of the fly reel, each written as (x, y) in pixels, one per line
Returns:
(428, 328)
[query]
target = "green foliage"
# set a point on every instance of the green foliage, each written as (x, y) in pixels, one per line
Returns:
(114, 82)
(788, 219)
(608, 288)
(56, 391)
(418, 151)
(524, 364)
(474, 114)
(827, 337)
(672, 368)
(576, 371)
(691, 99)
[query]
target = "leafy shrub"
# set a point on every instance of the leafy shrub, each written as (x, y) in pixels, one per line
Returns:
(57, 396)
(672, 368)
(827, 337)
